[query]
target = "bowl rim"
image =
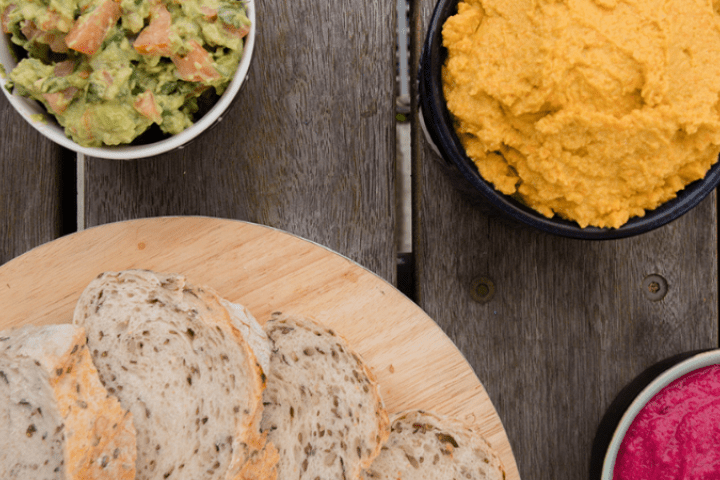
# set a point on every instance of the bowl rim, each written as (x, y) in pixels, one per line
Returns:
(437, 124)
(697, 361)
(27, 108)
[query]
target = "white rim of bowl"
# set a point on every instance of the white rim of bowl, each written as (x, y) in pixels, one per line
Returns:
(695, 362)
(27, 108)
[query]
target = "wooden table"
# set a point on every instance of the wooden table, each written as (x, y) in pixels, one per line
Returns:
(309, 147)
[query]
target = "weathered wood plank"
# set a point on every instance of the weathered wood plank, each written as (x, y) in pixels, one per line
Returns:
(36, 186)
(307, 147)
(569, 324)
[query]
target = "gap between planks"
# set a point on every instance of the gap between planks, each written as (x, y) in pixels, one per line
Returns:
(80, 188)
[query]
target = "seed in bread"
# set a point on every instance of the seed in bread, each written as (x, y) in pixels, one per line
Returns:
(57, 421)
(322, 410)
(426, 446)
(171, 354)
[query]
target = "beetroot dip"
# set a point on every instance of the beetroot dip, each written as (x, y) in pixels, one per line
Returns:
(676, 436)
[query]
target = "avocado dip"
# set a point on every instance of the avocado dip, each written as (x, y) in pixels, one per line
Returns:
(109, 69)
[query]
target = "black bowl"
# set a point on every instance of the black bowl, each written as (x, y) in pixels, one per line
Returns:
(440, 131)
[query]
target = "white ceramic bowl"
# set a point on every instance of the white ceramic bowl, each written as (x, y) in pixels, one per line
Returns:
(29, 108)
(703, 359)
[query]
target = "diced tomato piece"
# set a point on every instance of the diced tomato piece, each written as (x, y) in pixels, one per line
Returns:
(54, 99)
(59, 101)
(145, 104)
(155, 38)
(196, 65)
(235, 31)
(63, 69)
(29, 30)
(34, 34)
(6, 17)
(89, 30)
(57, 42)
(208, 12)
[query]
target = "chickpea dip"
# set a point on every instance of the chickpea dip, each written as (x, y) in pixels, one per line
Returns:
(596, 111)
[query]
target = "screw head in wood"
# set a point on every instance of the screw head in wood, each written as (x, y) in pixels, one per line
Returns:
(482, 289)
(655, 287)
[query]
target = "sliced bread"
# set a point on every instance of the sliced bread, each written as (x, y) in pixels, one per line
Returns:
(322, 410)
(427, 446)
(57, 422)
(251, 330)
(174, 356)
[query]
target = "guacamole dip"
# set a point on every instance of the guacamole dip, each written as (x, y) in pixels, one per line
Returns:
(107, 70)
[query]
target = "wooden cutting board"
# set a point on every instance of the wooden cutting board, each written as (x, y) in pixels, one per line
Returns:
(266, 270)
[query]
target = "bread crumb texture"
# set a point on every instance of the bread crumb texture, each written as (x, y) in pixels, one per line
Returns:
(323, 410)
(427, 446)
(171, 354)
(57, 420)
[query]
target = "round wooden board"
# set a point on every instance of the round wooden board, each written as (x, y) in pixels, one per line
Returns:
(266, 270)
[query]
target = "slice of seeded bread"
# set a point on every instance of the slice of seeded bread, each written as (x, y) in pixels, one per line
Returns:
(322, 411)
(172, 354)
(426, 446)
(57, 422)
(251, 330)
(262, 458)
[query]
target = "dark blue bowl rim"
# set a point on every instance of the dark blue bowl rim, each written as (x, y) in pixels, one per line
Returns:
(439, 125)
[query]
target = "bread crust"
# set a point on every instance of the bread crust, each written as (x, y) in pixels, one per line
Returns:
(99, 434)
(160, 296)
(206, 299)
(365, 411)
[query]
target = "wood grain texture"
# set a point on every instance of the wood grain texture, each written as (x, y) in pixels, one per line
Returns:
(33, 197)
(266, 270)
(569, 324)
(308, 146)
